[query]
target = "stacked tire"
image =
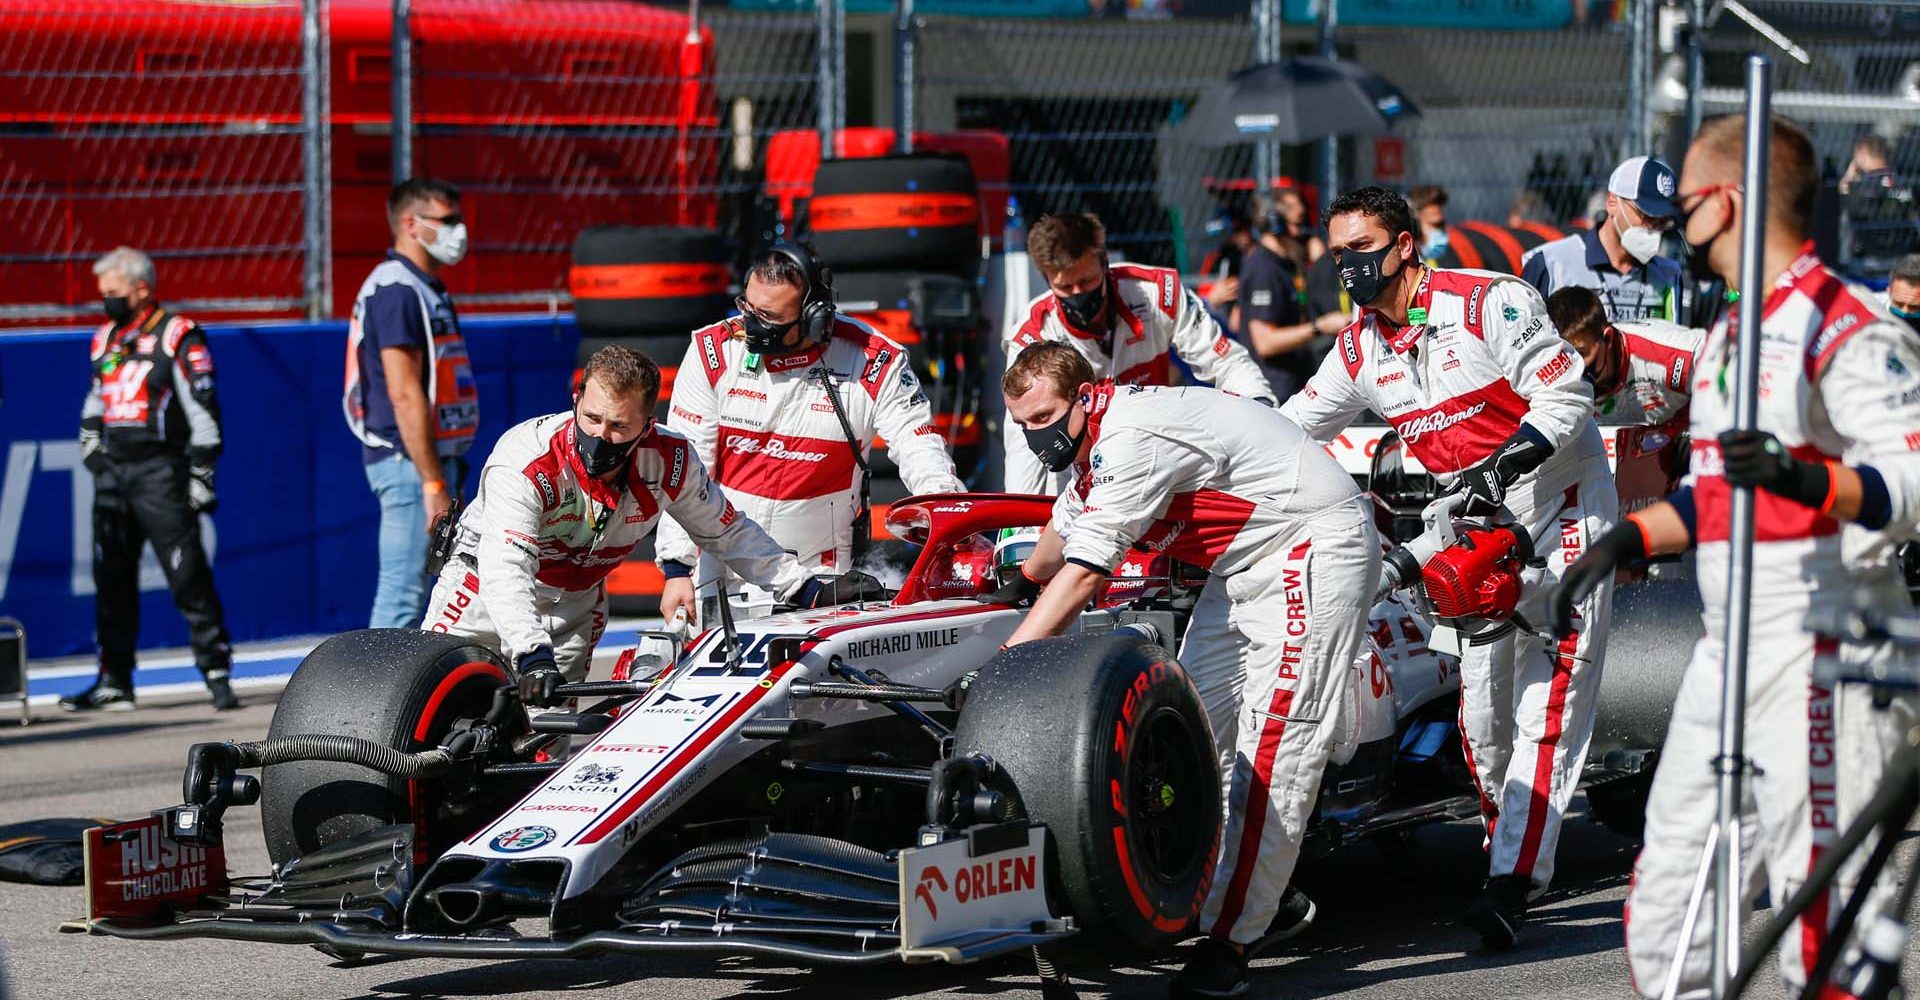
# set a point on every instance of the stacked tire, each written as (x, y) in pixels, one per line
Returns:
(902, 235)
(647, 287)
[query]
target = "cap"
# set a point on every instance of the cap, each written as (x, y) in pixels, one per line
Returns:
(1648, 183)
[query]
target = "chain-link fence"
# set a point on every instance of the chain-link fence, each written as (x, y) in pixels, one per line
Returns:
(176, 128)
(1850, 72)
(552, 117)
(179, 127)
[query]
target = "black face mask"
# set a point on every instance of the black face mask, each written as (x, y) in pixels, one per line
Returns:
(1056, 448)
(766, 338)
(1083, 309)
(599, 455)
(1362, 272)
(118, 309)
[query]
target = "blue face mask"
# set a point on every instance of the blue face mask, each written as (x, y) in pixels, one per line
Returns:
(1911, 316)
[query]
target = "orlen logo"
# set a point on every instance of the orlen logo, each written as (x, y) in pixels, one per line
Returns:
(740, 444)
(976, 881)
(1430, 422)
(1551, 372)
(930, 876)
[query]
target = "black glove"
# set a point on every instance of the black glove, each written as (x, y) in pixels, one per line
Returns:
(1486, 483)
(540, 678)
(1019, 591)
(200, 496)
(850, 587)
(1623, 544)
(1756, 458)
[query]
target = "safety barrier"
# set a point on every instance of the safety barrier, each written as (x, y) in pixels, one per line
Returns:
(293, 539)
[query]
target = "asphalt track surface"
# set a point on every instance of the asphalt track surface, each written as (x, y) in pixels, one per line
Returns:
(1385, 929)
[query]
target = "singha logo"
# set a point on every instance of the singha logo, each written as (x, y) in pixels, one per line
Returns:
(597, 774)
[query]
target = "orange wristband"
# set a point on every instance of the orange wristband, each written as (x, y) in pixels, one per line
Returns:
(435, 486)
(1833, 487)
(1646, 543)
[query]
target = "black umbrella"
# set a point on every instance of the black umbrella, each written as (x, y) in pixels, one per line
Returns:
(1299, 100)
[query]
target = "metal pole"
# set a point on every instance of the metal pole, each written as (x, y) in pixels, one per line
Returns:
(1732, 763)
(313, 123)
(1266, 49)
(402, 128)
(1330, 146)
(1696, 63)
(1639, 46)
(903, 76)
(823, 84)
(839, 65)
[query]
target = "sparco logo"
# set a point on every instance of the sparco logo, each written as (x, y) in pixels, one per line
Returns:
(546, 489)
(679, 468)
(1473, 306)
(1677, 375)
(712, 351)
(877, 365)
(772, 448)
(1413, 429)
(1350, 346)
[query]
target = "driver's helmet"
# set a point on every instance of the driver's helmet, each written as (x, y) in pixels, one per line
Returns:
(1012, 548)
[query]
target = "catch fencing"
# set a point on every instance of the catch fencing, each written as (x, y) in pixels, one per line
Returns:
(249, 146)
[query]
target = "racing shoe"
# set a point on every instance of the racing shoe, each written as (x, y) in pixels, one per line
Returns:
(103, 696)
(1296, 915)
(1502, 907)
(224, 700)
(1216, 970)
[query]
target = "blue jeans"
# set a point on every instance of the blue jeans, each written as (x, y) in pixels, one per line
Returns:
(401, 594)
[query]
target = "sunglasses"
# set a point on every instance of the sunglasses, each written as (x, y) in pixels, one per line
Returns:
(746, 309)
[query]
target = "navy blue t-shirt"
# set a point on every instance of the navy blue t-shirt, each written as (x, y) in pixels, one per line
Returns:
(393, 318)
(1269, 293)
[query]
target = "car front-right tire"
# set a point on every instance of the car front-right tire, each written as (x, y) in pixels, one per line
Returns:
(1104, 740)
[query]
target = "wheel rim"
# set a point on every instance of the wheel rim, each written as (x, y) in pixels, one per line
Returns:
(466, 692)
(1168, 786)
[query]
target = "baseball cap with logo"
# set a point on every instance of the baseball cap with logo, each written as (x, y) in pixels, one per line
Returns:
(1648, 183)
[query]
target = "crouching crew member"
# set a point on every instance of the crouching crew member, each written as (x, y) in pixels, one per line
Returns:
(1225, 483)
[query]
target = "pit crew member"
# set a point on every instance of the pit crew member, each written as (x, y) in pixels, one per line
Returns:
(1838, 483)
(562, 500)
(1641, 372)
(1124, 319)
(150, 434)
(1466, 367)
(1221, 482)
(783, 403)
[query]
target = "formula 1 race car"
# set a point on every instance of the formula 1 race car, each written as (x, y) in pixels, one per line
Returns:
(874, 782)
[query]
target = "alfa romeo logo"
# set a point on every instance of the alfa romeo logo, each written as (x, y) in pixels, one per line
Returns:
(524, 838)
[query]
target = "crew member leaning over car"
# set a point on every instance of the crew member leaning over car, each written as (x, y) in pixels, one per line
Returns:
(1225, 483)
(563, 499)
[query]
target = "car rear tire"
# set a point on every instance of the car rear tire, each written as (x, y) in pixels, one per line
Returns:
(1621, 805)
(401, 688)
(1106, 743)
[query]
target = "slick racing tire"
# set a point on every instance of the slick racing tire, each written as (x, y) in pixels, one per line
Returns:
(401, 688)
(1106, 743)
(1621, 805)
